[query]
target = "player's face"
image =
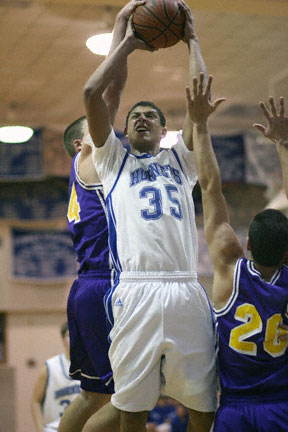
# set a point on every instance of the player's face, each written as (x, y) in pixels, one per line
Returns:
(144, 129)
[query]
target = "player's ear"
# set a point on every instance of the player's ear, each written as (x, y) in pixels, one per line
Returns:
(248, 244)
(163, 132)
(125, 132)
(77, 145)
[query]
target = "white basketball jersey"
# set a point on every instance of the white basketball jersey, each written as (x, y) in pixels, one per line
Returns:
(60, 391)
(150, 207)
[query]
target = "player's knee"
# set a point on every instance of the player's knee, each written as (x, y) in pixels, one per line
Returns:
(134, 420)
(94, 400)
(201, 421)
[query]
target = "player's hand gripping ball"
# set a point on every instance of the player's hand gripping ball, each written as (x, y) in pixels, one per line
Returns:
(159, 23)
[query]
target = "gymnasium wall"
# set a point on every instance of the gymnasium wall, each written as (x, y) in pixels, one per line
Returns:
(38, 263)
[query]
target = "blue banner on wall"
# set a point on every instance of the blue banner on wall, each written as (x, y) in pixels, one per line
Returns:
(23, 160)
(34, 200)
(43, 255)
(230, 156)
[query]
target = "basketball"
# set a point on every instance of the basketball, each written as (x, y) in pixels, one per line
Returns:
(159, 23)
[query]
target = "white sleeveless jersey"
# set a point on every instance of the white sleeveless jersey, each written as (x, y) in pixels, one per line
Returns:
(150, 207)
(60, 391)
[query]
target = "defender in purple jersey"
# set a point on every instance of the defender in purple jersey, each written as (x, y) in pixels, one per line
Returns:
(87, 225)
(250, 296)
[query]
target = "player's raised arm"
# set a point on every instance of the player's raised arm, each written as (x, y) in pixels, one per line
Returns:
(112, 93)
(114, 90)
(223, 244)
(196, 65)
(97, 112)
(276, 130)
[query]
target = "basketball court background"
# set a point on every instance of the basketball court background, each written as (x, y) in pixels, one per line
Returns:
(44, 67)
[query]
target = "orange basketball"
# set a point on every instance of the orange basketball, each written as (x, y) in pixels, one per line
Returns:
(159, 23)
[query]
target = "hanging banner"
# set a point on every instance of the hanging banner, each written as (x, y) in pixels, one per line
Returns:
(230, 156)
(22, 161)
(34, 200)
(43, 255)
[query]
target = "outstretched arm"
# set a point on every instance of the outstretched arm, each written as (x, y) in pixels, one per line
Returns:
(196, 65)
(98, 117)
(114, 90)
(112, 94)
(223, 244)
(277, 131)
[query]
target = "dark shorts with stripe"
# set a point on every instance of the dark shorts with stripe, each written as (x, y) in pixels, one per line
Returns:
(253, 414)
(89, 334)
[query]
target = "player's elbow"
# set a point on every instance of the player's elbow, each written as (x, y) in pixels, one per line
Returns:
(90, 93)
(210, 184)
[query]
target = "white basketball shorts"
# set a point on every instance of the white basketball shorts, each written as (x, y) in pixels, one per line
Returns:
(162, 341)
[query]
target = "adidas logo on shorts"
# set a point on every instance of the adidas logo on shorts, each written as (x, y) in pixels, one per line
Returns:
(118, 302)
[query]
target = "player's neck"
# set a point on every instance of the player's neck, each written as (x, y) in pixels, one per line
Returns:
(153, 150)
(266, 272)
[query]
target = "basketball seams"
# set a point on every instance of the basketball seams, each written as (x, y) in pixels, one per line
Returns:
(178, 11)
(162, 31)
(149, 13)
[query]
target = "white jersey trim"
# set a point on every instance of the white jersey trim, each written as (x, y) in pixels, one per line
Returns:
(235, 291)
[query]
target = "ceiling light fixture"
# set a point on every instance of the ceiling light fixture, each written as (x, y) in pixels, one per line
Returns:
(100, 44)
(15, 134)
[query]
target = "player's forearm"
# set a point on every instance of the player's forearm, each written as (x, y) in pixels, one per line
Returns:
(107, 71)
(115, 88)
(37, 415)
(282, 149)
(206, 162)
(197, 63)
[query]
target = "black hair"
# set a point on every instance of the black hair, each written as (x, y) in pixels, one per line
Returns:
(152, 105)
(268, 236)
(74, 131)
(64, 329)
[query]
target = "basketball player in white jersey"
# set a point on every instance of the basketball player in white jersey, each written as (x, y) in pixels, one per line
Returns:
(54, 390)
(162, 329)
(88, 228)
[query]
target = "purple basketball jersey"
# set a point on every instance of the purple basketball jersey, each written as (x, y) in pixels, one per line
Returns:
(251, 359)
(87, 223)
(89, 344)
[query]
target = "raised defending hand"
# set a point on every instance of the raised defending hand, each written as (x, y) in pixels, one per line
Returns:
(199, 106)
(189, 31)
(277, 124)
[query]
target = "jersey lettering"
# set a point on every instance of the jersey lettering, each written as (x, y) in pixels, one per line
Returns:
(73, 207)
(156, 205)
(155, 202)
(154, 170)
(272, 344)
(248, 314)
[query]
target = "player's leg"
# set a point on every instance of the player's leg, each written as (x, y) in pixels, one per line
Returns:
(200, 421)
(88, 351)
(81, 409)
(133, 421)
(189, 362)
